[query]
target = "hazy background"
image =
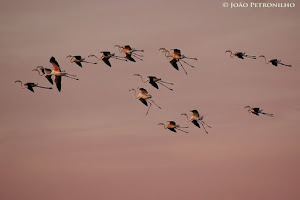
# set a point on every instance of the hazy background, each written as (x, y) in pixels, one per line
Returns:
(93, 140)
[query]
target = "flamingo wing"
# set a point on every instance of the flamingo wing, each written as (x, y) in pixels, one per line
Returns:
(153, 84)
(172, 129)
(30, 87)
(48, 77)
(55, 64)
(256, 109)
(79, 64)
(106, 61)
(196, 123)
(128, 57)
(143, 91)
(144, 101)
(174, 63)
(195, 113)
(77, 57)
(58, 82)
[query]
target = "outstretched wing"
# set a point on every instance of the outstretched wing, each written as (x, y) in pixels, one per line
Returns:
(58, 82)
(77, 57)
(79, 64)
(256, 109)
(144, 101)
(29, 87)
(172, 129)
(106, 61)
(154, 84)
(55, 64)
(174, 63)
(196, 123)
(130, 58)
(48, 77)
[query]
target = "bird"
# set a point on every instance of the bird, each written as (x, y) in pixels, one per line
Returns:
(257, 111)
(78, 60)
(172, 126)
(177, 56)
(30, 85)
(240, 55)
(56, 71)
(274, 62)
(196, 119)
(153, 80)
(144, 97)
(129, 52)
(105, 56)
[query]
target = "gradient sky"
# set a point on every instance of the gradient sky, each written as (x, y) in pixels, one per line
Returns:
(93, 140)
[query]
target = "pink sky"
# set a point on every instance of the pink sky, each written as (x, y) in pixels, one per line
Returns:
(93, 140)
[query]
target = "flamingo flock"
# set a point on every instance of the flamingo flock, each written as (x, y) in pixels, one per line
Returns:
(143, 96)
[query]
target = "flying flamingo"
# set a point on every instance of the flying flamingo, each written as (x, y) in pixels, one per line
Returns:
(274, 62)
(106, 55)
(78, 60)
(154, 80)
(172, 126)
(145, 98)
(240, 55)
(177, 56)
(130, 52)
(56, 71)
(196, 119)
(30, 85)
(256, 111)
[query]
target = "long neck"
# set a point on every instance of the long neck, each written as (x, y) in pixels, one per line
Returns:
(142, 79)
(163, 125)
(134, 92)
(267, 62)
(95, 56)
(187, 118)
(71, 60)
(22, 86)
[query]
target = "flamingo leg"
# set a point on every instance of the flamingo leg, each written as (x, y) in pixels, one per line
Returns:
(203, 127)
(191, 58)
(182, 67)
(43, 87)
(71, 77)
(165, 86)
(188, 64)
(148, 108)
(268, 114)
(252, 57)
(137, 57)
(182, 130)
(166, 82)
(89, 62)
(204, 123)
(155, 104)
(285, 65)
(137, 54)
(119, 58)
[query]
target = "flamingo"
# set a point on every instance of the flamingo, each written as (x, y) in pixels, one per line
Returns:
(30, 85)
(256, 111)
(172, 126)
(153, 80)
(196, 119)
(78, 60)
(144, 97)
(274, 62)
(177, 56)
(240, 55)
(130, 52)
(105, 56)
(56, 71)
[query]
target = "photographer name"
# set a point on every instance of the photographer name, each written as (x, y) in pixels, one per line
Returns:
(262, 5)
